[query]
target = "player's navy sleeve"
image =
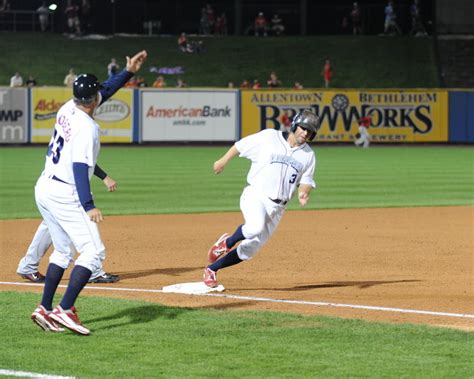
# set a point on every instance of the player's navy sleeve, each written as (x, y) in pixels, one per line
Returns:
(113, 84)
(81, 177)
(101, 174)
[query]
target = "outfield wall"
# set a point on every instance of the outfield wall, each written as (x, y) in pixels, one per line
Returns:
(225, 115)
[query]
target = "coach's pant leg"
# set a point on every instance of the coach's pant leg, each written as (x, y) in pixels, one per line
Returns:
(39, 245)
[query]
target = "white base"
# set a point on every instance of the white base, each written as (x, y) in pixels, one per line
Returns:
(195, 288)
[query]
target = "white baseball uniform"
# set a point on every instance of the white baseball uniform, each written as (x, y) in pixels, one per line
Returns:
(75, 139)
(277, 170)
(364, 139)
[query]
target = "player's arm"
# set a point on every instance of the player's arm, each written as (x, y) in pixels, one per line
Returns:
(108, 181)
(81, 177)
(220, 164)
(113, 84)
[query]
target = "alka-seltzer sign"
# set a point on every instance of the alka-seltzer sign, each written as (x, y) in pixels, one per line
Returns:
(396, 116)
(114, 116)
(13, 115)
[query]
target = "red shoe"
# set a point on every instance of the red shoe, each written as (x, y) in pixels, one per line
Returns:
(69, 319)
(218, 249)
(210, 279)
(35, 277)
(41, 318)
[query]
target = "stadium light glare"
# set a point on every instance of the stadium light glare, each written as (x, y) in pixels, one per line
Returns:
(53, 7)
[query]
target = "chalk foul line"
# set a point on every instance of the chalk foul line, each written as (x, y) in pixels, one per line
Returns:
(270, 300)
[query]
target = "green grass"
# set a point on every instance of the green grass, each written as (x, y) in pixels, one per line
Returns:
(180, 179)
(139, 339)
(358, 62)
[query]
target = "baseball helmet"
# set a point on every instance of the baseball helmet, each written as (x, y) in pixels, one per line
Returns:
(306, 120)
(85, 87)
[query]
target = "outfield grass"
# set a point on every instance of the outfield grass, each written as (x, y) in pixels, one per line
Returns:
(180, 179)
(139, 339)
(358, 61)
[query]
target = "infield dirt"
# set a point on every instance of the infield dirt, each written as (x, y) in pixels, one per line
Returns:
(409, 258)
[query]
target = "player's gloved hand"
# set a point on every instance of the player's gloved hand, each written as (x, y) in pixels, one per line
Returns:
(95, 215)
(134, 63)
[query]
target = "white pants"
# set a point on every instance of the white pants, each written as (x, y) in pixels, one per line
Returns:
(38, 247)
(262, 217)
(364, 138)
(68, 222)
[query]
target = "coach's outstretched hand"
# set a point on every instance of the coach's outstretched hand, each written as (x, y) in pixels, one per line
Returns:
(134, 63)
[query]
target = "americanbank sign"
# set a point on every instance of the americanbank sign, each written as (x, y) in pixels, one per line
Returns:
(397, 115)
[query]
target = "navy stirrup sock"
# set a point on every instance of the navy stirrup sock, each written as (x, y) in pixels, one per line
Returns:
(234, 238)
(227, 260)
(53, 277)
(79, 278)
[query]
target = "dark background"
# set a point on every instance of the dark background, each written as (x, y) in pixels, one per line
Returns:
(299, 16)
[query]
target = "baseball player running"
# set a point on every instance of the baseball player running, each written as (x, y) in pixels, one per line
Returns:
(363, 137)
(28, 265)
(281, 163)
(64, 199)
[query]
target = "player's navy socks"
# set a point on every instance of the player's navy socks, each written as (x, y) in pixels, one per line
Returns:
(227, 260)
(236, 237)
(79, 277)
(53, 277)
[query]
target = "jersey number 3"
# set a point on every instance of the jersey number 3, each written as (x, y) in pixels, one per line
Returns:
(293, 178)
(55, 147)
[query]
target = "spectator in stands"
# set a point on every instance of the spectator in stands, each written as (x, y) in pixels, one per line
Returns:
(356, 19)
(260, 25)
(327, 73)
(72, 18)
(204, 27)
(417, 28)
(298, 85)
(16, 80)
(180, 83)
(230, 85)
(112, 68)
(183, 42)
(4, 5)
(273, 81)
(159, 82)
(43, 15)
(256, 84)
(345, 25)
(31, 82)
(132, 83)
(245, 84)
(140, 82)
(390, 26)
(277, 25)
(211, 18)
(85, 18)
(70, 78)
(221, 25)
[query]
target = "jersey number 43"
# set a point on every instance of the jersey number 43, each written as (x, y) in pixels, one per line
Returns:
(55, 147)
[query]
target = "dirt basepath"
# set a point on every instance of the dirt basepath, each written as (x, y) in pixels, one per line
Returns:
(409, 258)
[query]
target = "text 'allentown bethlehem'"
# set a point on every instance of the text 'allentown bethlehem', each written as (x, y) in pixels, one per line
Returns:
(205, 111)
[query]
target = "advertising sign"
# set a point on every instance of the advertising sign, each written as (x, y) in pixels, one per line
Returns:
(115, 116)
(396, 115)
(189, 115)
(13, 115)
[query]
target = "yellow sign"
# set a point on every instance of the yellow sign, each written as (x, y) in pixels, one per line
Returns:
(115, 116)
(396, 115)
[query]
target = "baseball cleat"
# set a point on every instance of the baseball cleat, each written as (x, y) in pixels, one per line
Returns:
(35, 277)
(105, 278)
(41, 318)
(218, 249)
(210, 279)
(69, 319)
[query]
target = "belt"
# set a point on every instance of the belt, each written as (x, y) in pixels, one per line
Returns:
(279, 201)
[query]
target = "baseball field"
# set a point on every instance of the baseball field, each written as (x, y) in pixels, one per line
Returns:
(372, 279)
